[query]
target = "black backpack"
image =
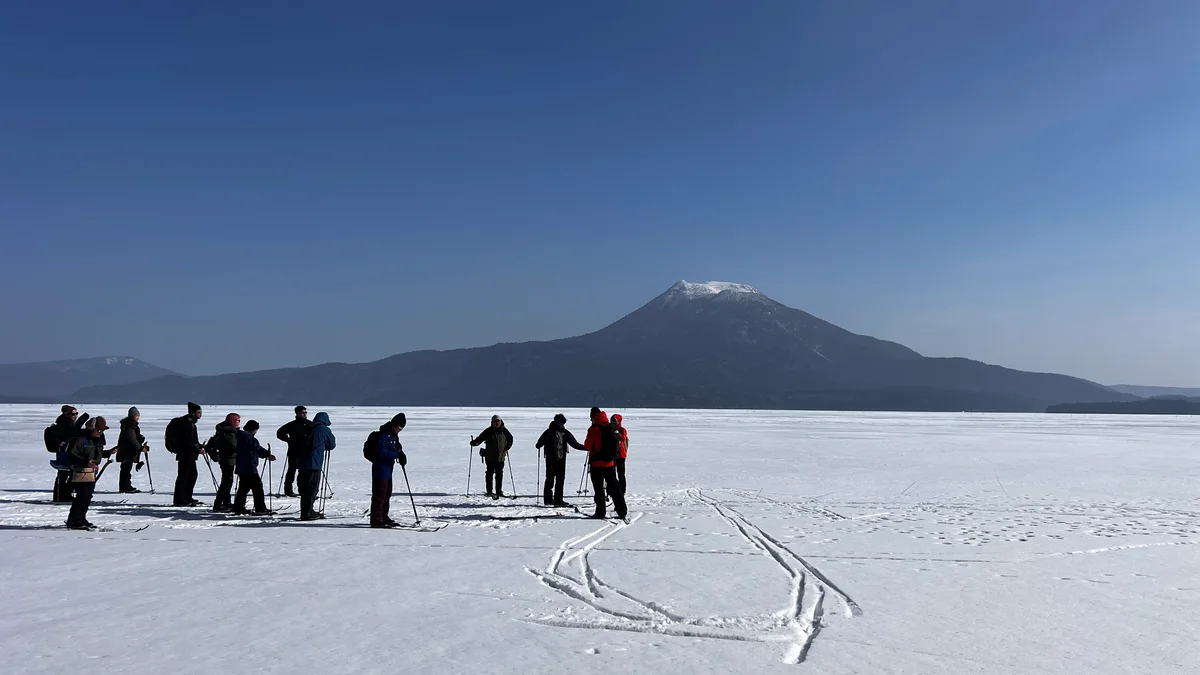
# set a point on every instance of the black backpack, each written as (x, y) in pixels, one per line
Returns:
(50, 438)
(610, 443)
(171, 436)
(371, 447)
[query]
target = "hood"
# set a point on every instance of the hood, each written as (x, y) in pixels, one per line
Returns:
(226, 428)
(601, 418)
(322, 419)
(128, 422)
(617, 419)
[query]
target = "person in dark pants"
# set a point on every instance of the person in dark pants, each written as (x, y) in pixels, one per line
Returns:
(249, 451)
(388, 451)
(604, 447)
(555, 443)
(130, 446)
(298, 436)
(68, 425)
(85, 453)
(618, 422)
(183, 441)
(496, 441)
(311, 465)
(222, 449)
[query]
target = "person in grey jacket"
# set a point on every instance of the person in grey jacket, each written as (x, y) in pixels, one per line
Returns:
(131, 444)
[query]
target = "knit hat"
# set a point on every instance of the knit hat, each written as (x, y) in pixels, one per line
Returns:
(560, 418)
(193, 407)
(399, 420)
(252, 425)
(133, 412)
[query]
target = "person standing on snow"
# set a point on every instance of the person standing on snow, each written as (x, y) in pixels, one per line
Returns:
(85, 453)
(183, 441)
(556, 442)
(388, 451)
(131, 444)
(617, 421)
(68, 425)
(249, 451)
(222, 449)
(604, 447)
(311, 465)
(496, 441)
(298, 436)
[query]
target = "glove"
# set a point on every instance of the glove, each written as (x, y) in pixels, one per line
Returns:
(139, 466)
(481, 452)
(403, 460)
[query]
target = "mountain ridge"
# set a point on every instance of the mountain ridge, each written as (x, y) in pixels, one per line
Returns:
(712, 345)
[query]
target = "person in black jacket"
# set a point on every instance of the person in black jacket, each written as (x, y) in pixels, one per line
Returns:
(85, 453)
(183, 441)
(68, 425)
(496, 441)
(130, 446)
(222, 449)
(555, 442)
(298, 436)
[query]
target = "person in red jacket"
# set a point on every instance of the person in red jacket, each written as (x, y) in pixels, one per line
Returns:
(617, 420)
(604, 449)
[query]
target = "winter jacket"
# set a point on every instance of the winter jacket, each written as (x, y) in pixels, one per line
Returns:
(595, 444)
(130, 442)
(291, 433)
(323, 441)
(387, 450)
(496, 442)
(182, 438)
(249, 451)
(83, 450)
(65, 428)
(222, 447)
(555, 440)
(617, 419)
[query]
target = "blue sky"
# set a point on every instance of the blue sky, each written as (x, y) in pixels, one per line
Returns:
(227, 186)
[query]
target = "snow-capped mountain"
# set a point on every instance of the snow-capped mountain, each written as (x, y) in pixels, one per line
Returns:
(61, 378)
(697, 345)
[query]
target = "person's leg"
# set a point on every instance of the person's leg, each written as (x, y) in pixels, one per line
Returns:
(80, 504)
(598, 487)
(126, 483)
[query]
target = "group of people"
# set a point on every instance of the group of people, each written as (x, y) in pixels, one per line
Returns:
(79, 445)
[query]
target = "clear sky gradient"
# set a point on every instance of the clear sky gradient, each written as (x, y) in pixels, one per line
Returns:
(225, 186)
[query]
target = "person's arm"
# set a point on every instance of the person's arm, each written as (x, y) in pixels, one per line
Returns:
(542, 440)
(284, 432)
(478, 440)
(574, 443)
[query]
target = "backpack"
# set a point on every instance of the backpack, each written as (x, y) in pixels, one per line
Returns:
(371, 447)
(610, 443)
(171, 436)
(50, 438)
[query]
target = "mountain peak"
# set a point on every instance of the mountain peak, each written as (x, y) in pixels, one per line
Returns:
(686, 290)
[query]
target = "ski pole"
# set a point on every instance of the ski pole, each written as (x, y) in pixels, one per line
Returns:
(210, 470)
(582, 478)
(269, 481)
(279, 490)
(538, 481)
(148, 472)
(101, 473)
(264, 467)
(470, 463)
(511, 478)
(410, 494)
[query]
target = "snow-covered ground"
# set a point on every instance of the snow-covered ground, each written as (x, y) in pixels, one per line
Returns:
(847, 542)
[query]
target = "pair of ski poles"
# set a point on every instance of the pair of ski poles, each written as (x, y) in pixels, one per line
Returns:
(471, 462)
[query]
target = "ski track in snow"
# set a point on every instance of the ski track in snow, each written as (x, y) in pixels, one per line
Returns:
(798, 623)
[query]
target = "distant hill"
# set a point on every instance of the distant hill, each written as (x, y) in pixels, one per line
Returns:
(1151, 392)
(1163, 405)
(714, 345)
(47, 380)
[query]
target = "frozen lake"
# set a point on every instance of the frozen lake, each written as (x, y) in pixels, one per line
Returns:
(758, 542)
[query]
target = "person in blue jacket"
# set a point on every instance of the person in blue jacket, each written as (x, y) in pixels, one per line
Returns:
(388, 451)
(249, 451)
(312, 465)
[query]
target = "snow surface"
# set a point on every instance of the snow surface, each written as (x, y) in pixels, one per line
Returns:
(758, 542)
(689, 290)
